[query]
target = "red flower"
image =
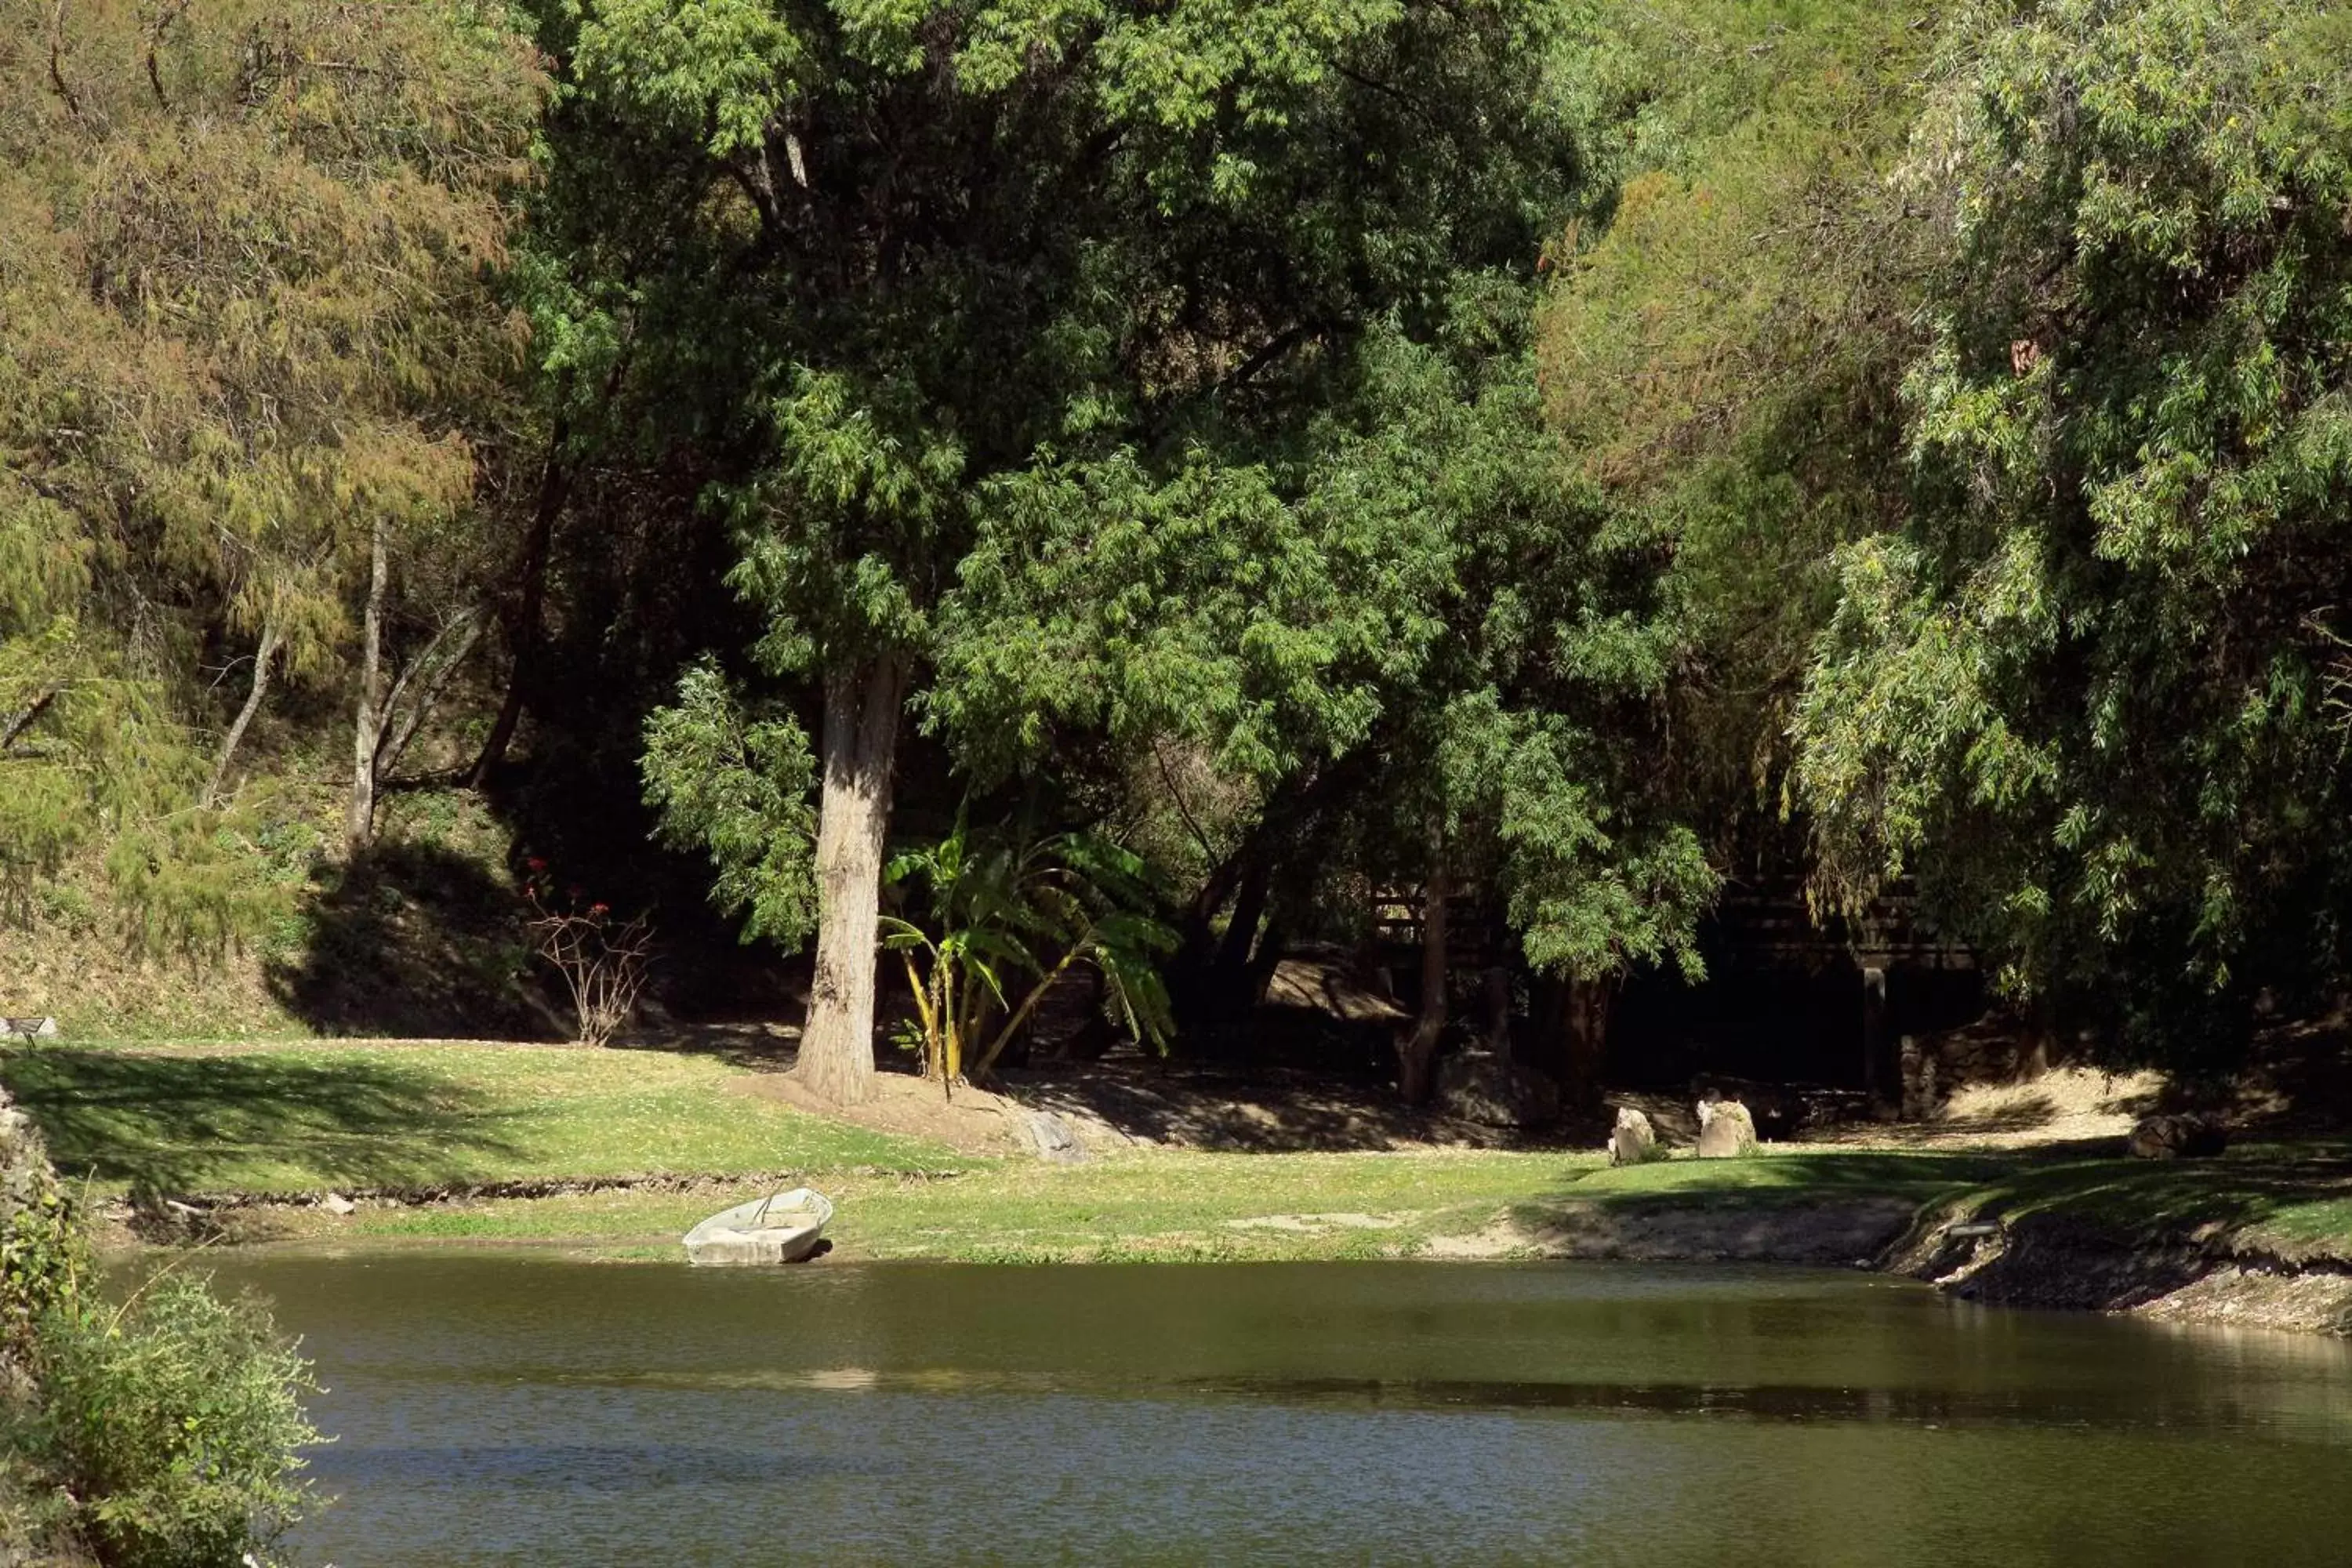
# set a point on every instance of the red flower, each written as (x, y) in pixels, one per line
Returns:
(600, 909)
(536, 864)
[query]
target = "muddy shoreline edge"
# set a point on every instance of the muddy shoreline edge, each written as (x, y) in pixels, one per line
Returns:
(2035, 1261)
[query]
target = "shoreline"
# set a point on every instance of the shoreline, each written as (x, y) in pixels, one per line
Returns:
(2020, 1196)
(2040, 1261)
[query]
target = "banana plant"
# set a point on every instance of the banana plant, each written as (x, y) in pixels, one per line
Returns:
(1000, 919)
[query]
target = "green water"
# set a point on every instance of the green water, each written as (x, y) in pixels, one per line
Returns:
(496, 1408)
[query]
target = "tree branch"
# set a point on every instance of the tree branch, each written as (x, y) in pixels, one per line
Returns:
(1281, 343)
(56, 58)
(169, 13)
(25, 721)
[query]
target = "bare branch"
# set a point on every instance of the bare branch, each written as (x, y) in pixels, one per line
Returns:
(56, 58)
(171, 13)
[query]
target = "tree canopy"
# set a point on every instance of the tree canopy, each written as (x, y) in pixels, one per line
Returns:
(2089, 691)
(1552, 458)
(1098, 368)
(245, 266)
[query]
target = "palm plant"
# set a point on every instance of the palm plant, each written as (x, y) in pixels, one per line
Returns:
(998, 912)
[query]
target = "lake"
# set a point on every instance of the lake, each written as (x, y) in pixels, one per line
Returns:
(499, 1408)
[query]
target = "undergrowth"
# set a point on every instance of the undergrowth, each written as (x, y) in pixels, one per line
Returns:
(161, 1429)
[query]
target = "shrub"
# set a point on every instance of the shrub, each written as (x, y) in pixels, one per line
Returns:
(176, 1421)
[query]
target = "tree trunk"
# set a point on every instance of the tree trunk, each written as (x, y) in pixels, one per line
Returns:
(860, 743)
(1249, 912)
(1197, 990)
(1875, 1052)
(1496, 984)
(522, 631)
(367, 724)
(1587, 1044)
(1418, 1049)
(2040, 1030)
(263, 656)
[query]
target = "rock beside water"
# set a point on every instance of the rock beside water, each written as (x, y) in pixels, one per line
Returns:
(1635, 1141)
(1726, 1130)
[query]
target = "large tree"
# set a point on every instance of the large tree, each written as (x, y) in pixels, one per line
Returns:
(1723, 357)
(2089, 692)
(901, 266)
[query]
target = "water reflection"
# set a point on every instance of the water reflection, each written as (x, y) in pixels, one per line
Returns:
(499, 1409)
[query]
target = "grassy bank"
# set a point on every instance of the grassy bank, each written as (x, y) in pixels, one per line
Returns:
(1828, 1207)
(1160, 1204)
(2290, 1200)
(319, 1116)
(405, 1118)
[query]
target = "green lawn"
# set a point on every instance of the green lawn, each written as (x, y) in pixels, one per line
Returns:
(1156, 1204)
(313, 1117)
(310, 1116)
(1796, 1174)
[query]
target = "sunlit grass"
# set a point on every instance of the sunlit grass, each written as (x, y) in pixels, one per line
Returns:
(309, 1118)
(312, 1117)
(1164, 1205)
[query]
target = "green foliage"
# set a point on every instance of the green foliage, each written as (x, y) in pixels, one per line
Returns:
(176, 1421)
(737, 788)
(1125, 419)
(97, 765)
(1723, 356)
(245, 318)
(43, 1252)
(1586, 447)
(2085, 692)
(165, 1428)
(998, 912)
(1421, 597)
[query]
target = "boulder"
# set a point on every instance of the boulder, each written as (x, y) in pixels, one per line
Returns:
(1726, 1130)
(1052, 1139)
(1487, 1087)
(1635, 1141)
(2176, 1135)
(1777, 1110)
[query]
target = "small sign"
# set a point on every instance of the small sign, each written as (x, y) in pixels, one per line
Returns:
(31, 1028)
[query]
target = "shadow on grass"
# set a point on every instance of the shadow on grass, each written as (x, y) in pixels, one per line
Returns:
(2255, 1185)
(2298, 1192)
(1261, 1110)
(1881, 1182)
(1829, 1208)
(415, 939)
(183, 1124)
(1782, 1177)
(753, 1045)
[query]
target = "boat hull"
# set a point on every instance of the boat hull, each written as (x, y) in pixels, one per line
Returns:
(747, 1235)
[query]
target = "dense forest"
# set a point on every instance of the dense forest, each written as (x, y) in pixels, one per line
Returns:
(975, 499)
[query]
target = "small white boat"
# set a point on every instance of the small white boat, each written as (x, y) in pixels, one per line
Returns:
(784, 1228)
